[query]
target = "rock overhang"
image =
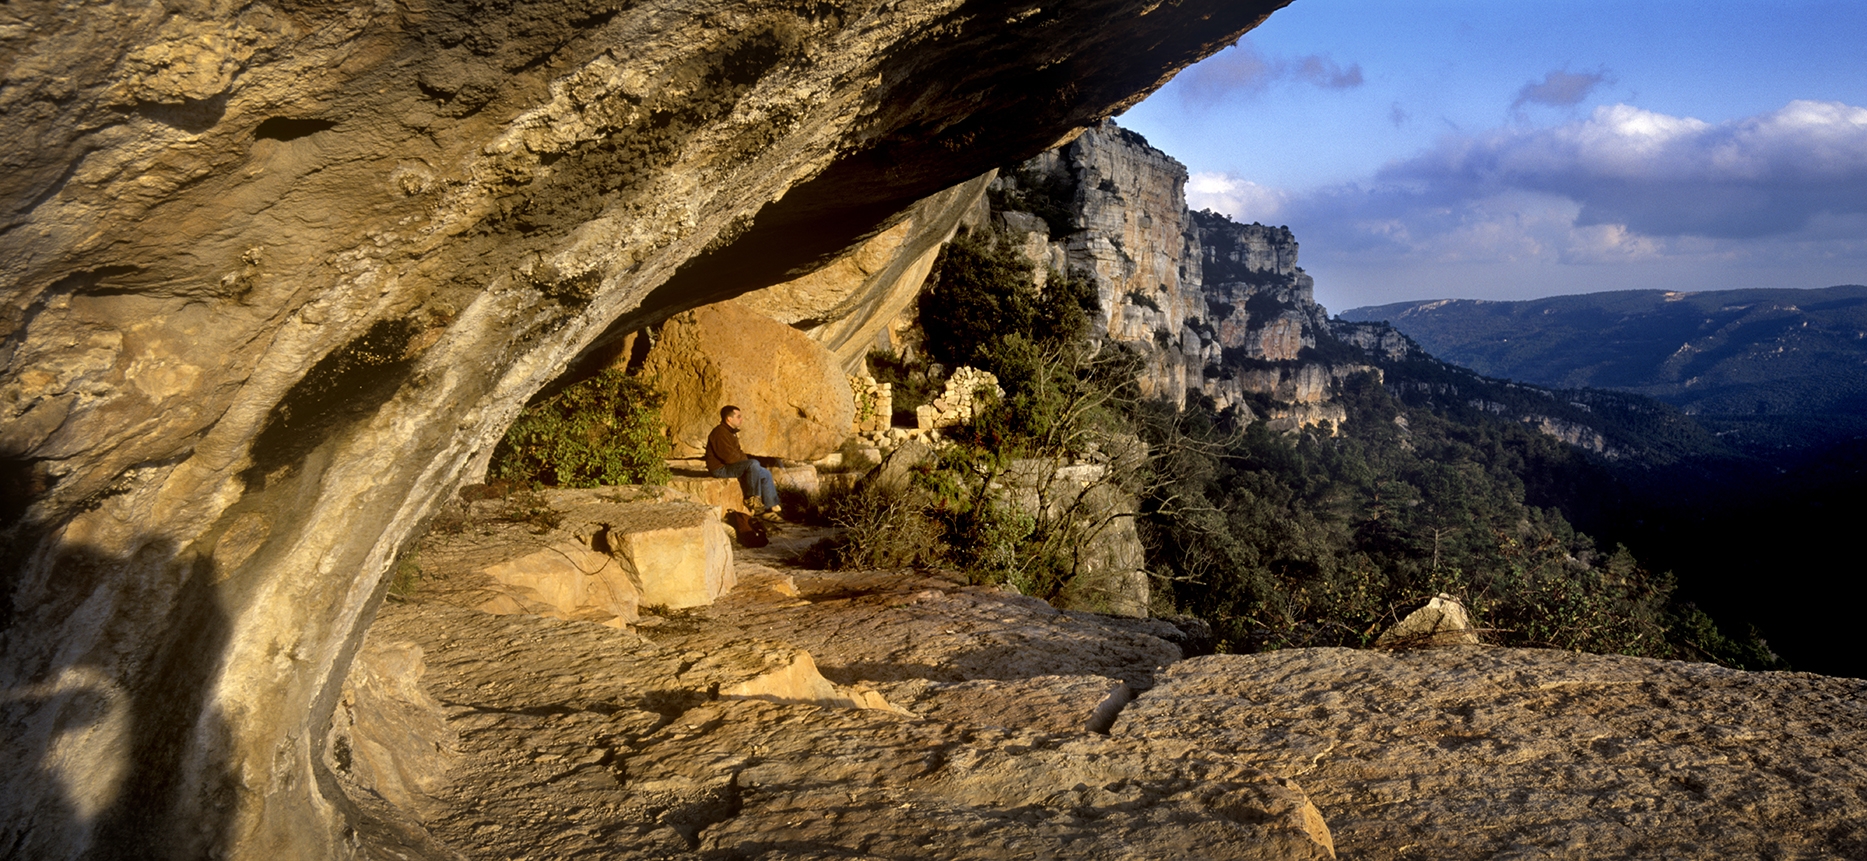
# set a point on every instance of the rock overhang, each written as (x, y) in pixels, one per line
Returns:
(383, 230)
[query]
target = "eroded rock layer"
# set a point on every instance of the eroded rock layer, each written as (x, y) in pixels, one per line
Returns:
(273, 277)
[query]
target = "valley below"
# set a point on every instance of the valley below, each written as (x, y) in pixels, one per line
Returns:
(1754, 511)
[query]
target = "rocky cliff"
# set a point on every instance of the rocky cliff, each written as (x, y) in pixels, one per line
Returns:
(1216, 308)
(276, 275)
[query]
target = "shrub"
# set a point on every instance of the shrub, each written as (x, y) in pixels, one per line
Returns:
(881, 527)
(983, 292)
(603, 430)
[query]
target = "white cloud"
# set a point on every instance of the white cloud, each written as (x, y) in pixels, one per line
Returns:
(1624, 198)
(1242, 200)
(1666, 176)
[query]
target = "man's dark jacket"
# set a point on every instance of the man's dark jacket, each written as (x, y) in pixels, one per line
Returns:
(723, 447)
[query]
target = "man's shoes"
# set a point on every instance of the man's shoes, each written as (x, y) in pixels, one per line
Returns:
(774, 514)
(753, 504)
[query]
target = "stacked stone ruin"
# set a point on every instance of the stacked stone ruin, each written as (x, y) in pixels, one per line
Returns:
(875, 404)
(960, 402)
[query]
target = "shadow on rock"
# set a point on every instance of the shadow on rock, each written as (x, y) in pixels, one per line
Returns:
(116, 751)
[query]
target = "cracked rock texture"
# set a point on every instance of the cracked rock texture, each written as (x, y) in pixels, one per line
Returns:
(274, 276)
(905, 714)
(1476, 753)
(578, 739)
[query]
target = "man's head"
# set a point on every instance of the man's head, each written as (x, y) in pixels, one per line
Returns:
(729, 416)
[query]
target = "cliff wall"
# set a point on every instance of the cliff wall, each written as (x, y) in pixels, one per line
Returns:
(1215, 307)
(274, 277)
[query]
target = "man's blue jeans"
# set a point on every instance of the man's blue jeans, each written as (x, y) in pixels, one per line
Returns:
(754, 480)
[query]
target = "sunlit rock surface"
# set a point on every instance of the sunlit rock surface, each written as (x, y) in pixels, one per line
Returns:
(274, 278)
(813, 714)
(1472, 752)
(949, 721)
(795, 399)
(1212, 306)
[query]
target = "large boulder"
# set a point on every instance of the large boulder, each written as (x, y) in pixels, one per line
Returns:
(795, 396)
(1442, 622)
(592, 555)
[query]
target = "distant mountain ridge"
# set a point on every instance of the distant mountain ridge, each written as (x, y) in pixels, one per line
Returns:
(1775, 365)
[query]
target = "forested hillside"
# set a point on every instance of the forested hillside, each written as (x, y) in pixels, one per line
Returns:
(1308, 482)
(1767, 369)
(1325, 535)
(1750, 487)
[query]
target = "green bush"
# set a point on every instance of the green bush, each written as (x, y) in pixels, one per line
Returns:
(983, 292)
(983, 309)
(603, 430)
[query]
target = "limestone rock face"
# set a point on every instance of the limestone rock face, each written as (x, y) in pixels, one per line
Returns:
(1213, 306)
(1131, 237)
(795, 397)
(1109, 564)
(274, 278)
(1377, 338)
(390, 735)
(1495, 753)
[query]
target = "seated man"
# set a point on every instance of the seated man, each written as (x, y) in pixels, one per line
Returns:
(726, 460)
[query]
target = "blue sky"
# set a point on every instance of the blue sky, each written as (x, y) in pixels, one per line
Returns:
(1507, 150)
